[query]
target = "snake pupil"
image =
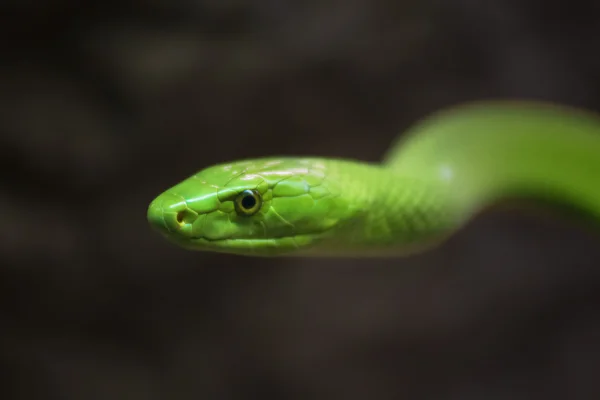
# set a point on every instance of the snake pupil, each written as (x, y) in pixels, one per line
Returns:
(248, 201)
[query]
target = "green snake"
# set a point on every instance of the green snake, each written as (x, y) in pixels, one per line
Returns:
(435, 178)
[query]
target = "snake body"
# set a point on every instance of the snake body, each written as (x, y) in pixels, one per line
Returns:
(437, 176)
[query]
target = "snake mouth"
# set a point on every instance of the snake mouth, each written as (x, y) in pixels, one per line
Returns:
(251, 246)
(203, 239)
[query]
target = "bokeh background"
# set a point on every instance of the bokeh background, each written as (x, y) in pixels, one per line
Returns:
(104, 105)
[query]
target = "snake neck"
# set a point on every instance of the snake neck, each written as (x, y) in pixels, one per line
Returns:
(385, 213)
(490, 152)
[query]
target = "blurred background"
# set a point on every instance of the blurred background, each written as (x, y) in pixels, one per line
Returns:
(105, 105)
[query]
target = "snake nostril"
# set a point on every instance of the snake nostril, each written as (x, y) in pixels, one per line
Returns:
(185, 217)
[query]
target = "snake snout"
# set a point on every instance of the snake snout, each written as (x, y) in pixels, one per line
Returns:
(170, 217)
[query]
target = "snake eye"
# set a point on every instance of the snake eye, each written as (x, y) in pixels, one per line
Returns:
(248, 202)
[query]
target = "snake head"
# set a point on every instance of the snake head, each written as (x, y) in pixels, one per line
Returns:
(256, 207)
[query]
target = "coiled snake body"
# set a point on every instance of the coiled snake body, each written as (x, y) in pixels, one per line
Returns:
(438, 175)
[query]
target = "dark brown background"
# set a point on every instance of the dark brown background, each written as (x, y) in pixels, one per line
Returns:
(105, 105)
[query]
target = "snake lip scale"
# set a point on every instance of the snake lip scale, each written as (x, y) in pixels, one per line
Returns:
(202, 239)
